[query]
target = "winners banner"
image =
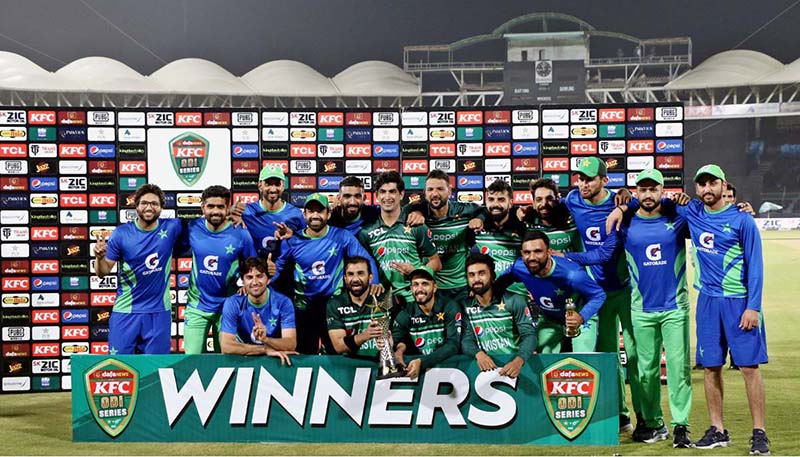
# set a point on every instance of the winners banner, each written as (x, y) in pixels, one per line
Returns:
(557, 399)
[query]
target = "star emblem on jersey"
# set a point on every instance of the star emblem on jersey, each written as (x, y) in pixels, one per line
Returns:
(700, 349)
(407, 229)
(439, 317)
(501, 306)
(229, 249)
(670, 225)
(727, 227)
(163, 233)
(332, 251)
(272, 321)
(559, 291)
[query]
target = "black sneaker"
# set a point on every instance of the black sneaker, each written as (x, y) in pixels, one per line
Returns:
(713, 438)
(625, 424)
(641, 426)
(650, 435)
(681, 437)
(759, 443)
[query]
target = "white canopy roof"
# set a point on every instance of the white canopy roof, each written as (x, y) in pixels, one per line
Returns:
(727, 69)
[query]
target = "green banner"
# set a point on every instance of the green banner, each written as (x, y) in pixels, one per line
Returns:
(557, 399)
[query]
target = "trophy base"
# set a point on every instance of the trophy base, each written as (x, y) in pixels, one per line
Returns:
(400, 373)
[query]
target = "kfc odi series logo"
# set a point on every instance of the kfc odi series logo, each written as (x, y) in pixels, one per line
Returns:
(189, 154)
(111, 390)
(570, 395)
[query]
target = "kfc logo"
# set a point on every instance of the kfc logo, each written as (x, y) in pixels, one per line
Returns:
(103, 200)
(358, 150)
(498, 149)
(72, 151)
(641, 146)
(330, 119)
(127, 167)
(44, 266)
(612, 115)
(469, 117)
(189, 119)
(44, 233)
(555, 164)
(42, 117)
(415, 166)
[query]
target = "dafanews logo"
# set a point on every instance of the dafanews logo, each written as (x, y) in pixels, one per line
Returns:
(570, 391)
(111, 390)
(189, 154)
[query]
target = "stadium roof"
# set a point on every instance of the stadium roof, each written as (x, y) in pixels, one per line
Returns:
(736, 68)
(199, 76)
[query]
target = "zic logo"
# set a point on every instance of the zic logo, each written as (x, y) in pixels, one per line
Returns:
(546, 302)
(211, 262)
(593, 234)
(318, 268)
(152, 261)
(653, 252)
(707, 240)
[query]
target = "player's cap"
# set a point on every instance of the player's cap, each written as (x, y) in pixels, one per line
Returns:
(651, 174)
(591, 167)
(316, 197)
(710, 169)
(271, 171)
(423, 271)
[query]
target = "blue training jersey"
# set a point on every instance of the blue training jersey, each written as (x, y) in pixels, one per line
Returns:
(319, 263)
(215, 263)
(260, 224)
(145, 261)
(590, 219)
(369, 214)
(276, 314)
(727, 251)
(655, 250)
(564, 280)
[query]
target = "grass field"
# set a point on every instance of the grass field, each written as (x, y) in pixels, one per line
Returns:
(39, 424)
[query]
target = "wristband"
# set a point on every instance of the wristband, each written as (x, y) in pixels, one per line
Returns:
(350, 342)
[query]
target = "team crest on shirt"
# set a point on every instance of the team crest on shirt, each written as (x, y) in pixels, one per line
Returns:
(570, 391)
(189, 154)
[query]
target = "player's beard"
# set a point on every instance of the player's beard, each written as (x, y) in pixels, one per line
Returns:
(316, 223)
(351, 211)
(437, 203)
(270, 196)
(545, 211)
(357, 288)
(479, 288)
(588, 194)
(649, 204)
(216, 220)
(423, 297)
(710, 198)
(534, 266)
(149, 215)
(497, 216)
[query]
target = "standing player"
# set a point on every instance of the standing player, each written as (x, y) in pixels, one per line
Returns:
(350, 325)
(426, 327)
(318, 255)
(141, 317)
(270, 213)
(397, 247)
(449, 222)
(550, 215)
(261, 322)
(729, 276)
(655, 249)
(502, 232)
(551, 283)
(217, 250)
(590, 205)
(351, 213)
(495, 324)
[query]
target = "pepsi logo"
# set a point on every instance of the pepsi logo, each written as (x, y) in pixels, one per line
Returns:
(419, 342)
(479, 330)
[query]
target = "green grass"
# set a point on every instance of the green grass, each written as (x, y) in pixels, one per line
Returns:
(39, 424)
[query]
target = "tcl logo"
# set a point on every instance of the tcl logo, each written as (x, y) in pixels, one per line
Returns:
(358, 150)
(245, 197)
(498, 149)
(583, 147)
(16, 284)
(469, 117)
(14, 150)
(612, 115)
(104, 298)
(41, 316)
(128, 167)
(44, 266)
(99, 348)
(415, 166)
(46, 349)
(41, 117)
(522, 197)
(555, 164)
(73, 200)
(641, 146)
(72, 151)
(103, 200)
(75, 332)
(188, 119)
(303, 150)
(443, 150)
(327, 119)
(44, 233)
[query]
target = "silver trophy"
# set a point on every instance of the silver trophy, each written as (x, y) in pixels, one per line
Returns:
(387, 365)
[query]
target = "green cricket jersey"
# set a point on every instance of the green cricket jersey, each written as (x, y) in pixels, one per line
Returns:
(346, 315)
(502, 244)
(434, 336)
(502, 327)
(450, 238)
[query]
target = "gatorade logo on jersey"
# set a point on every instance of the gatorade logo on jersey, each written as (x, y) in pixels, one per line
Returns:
(653, 252)
(151, 262)
(266, 241)
(593, 234)
(211, 262)
(479, 331)
(707, 240)
(546, 302)
(318, 268)
(419, 342)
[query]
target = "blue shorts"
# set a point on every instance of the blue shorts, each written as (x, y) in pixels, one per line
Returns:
(718, 329)
(144, 333)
